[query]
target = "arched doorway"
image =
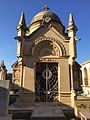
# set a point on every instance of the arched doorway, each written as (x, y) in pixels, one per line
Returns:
(46, 84)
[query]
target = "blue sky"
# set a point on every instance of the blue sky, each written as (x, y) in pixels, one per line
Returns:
(10, 11)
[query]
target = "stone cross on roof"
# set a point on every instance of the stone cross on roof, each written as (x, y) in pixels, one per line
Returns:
(46, 8)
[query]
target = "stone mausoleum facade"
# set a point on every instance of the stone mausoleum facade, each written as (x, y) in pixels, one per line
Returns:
(46, 68)
(85, 67)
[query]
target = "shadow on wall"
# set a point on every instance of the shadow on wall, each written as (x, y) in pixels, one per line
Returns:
(15, 93)
(16, 100)
(23, 113)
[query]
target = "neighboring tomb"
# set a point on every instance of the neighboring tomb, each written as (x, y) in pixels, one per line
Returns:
(3, 71)
(4, 99)
(85, 67)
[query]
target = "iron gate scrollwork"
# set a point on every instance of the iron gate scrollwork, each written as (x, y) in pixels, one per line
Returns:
(46, 84)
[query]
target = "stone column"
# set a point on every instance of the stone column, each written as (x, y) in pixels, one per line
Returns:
(73, 98)
(83, 77)
(4, 99)
(88, 71)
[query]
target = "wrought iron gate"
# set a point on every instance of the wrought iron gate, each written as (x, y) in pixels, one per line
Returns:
(46, 84)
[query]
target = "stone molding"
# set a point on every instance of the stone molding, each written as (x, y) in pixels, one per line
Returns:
(58, 46)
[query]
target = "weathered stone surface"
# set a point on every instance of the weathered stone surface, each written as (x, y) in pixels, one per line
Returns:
(45, 111)
(4, 97)
(4, 118)
(49, 113)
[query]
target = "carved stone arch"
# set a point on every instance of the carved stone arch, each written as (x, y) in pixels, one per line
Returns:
(49, 44)
(64, 53)
(46, 48)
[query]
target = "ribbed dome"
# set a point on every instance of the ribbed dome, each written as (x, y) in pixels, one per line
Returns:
(41, 15)
(43, 18)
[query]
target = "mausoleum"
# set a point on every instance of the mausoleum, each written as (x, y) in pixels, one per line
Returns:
(46, 67)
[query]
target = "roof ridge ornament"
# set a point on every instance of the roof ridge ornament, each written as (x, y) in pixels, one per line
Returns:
(46, 8)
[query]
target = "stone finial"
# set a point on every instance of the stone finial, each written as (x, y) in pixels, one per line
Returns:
(3, 71)
(71, 24)
(46, 8)
(22, 23)
(22, 19)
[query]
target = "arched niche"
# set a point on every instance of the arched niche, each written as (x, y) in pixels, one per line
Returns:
(85, 76)
(48, 47)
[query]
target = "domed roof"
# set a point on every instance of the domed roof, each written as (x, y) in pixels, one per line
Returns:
(40, 16)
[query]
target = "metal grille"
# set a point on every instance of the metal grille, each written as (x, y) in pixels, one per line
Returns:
(46, 88)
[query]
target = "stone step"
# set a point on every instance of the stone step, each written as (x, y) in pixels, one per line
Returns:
(48, 113)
